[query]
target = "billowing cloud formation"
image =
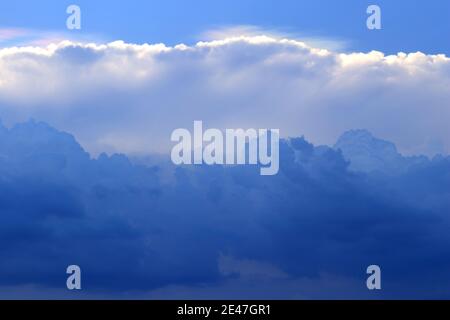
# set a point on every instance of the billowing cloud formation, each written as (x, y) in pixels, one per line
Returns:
(212, 231)
(129, 98)
(160, 230)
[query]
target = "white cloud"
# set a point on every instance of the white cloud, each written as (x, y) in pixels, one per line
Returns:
(129, 97)
(250, 31)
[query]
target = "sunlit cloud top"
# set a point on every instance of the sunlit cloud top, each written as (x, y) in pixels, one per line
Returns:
(115, 96)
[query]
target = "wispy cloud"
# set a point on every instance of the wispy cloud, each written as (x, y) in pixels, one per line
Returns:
(11, 33)
(16, 36)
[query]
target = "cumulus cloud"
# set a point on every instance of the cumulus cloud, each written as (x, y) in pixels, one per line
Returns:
(129, 97)
(249, 31)
(165, 231)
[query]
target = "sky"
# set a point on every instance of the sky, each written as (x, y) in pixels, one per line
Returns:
(408, 26)
(87, 115)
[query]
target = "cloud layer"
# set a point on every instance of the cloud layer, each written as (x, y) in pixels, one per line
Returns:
(128, 98)
(156, 230)
(163, 231)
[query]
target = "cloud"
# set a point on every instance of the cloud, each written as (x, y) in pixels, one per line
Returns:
(156, 230)
(129, 97)
(11, 33)
(249, 31)
(164, 231)
(20, 37)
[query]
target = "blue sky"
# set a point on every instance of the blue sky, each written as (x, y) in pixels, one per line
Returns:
(409, 26)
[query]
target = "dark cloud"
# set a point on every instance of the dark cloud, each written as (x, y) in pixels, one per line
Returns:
(140, 228)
